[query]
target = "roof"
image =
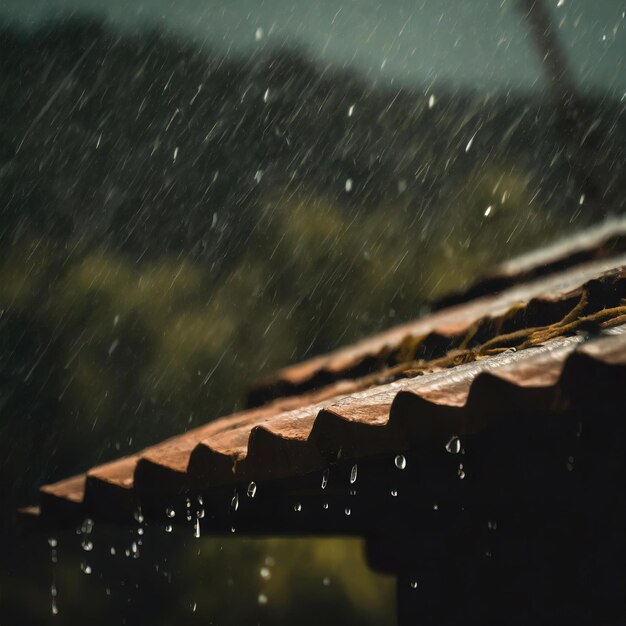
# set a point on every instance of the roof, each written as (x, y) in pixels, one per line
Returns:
(545, 345)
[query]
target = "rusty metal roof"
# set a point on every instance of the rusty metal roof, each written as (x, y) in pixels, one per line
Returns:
(545, 345)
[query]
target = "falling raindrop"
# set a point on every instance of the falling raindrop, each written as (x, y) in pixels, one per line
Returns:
(461, 472)
(492, 525)
(394, 492)
(52, 542)
(85, 568)
(400, 461)
(168, 528)
(347, 511)
(353, 474)
(325, 475)
(297, 507)
(349, 185)
(196, 529)
(351, 111)
(435, 507)
(170, 512)
(570, 463)
(431, 101)
(234, 502)
(53, 596)
(325, 506)
(326, 581)
(265, 572)
(251, 490)
(413, 584)
(262, 598)
(454, 445)
(86, 545)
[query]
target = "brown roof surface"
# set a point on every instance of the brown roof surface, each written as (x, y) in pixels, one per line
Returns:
(438, 327)
(529, 347)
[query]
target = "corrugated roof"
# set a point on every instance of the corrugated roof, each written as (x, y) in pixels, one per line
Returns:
(436, 332)
(534, 347)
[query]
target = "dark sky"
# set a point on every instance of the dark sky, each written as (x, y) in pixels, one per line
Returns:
(475, 42)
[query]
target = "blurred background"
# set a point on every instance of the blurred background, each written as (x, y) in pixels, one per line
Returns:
(195, 193)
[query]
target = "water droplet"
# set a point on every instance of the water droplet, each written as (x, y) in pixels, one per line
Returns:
(265, 573)
(200, 514)
(435, 507)
(349, 185)
(266, 95)
(87, 526)
(400, 461)
(487, 212)
(85, 568)
(326, 581)
(112, 551)
(353, 492)
(87, 546)
(297, 507)
(431, 101)
(196, 529)
(170, 512)
(413, 584)
(394, 492)
(234, 503)
(251, 490)
(194, 606)
(454, 445)
(52, 542)
(351, 111)
(140, 531)
(461, 472)
(138, 515)
(469, 143)
(258, 35)
(53, 596)
(262, 598)
(325, 506)
(353, 474)
(325, 476)
(492, 525)
(347, 511)
(200, 500)
(168, 528)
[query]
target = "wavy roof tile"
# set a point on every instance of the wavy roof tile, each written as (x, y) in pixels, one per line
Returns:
(543, 346)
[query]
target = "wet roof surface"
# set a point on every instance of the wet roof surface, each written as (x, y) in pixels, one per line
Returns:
(537, 346)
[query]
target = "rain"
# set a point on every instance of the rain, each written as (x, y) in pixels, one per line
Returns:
(196, 194)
